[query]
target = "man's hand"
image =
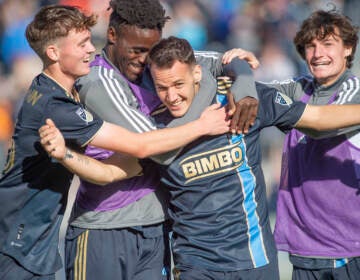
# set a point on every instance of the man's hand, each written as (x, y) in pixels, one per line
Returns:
(241, 54)
(214, 120)
(244, 115)
(52, 140)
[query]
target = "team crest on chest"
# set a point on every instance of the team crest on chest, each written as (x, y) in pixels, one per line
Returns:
(84, 115)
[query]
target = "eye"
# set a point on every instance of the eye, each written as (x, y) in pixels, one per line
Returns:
(160, 89)
(179, 85)
(135, 51)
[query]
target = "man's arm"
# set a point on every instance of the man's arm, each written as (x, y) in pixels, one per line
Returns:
(243, 89)
(117, 167)
(329, 117)
(112, 137)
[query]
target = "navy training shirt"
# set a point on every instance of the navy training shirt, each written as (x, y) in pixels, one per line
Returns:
(218, 194)
(34, 188)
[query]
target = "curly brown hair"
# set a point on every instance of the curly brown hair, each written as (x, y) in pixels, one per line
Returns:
(322, 24)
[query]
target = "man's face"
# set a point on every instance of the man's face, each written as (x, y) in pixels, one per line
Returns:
(326, 59)
(74, 53)
(131, 48)
(177, 86)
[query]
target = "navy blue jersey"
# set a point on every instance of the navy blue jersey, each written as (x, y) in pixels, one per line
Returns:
(33, 189)
(218, 195)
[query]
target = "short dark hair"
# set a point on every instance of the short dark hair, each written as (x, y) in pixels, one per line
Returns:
(169, 50)
(53, 22)
(145, 14)
(321, 24)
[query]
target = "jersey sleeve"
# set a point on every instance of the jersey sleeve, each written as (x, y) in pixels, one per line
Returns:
(77, 125)
(287, 87)
(238, 70)
(277, 109)
(113, 101)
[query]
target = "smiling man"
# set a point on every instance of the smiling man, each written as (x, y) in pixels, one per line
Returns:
(33, 188)
(218, 202)
(318, 209)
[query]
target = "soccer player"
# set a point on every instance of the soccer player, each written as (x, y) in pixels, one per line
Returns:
(218, 203)
(33, 188)
(318, 210)
(119, 89)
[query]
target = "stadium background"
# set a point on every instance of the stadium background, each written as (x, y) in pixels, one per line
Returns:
(265, 27)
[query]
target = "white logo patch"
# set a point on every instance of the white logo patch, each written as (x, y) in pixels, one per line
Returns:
(84, 115)
(282, 99)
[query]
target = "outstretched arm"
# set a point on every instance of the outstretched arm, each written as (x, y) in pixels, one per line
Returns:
(328, 117)
(242, 54)
(115, 138)
(117, 167)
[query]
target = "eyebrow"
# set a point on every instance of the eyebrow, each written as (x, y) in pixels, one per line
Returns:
(87, 38)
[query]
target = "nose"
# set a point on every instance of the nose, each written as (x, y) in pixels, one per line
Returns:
(91, 48)
(142, 57)
(171, 94)
(318, 51)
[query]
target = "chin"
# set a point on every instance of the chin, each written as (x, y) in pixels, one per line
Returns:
(178, 113)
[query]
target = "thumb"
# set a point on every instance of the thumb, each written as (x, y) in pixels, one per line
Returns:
(50, 122)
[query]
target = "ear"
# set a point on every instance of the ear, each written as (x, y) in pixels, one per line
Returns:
(111, 35)
(348, 51)
(52, 53)
(197, 72)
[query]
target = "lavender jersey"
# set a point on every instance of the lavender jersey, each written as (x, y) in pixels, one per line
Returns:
(318, 210)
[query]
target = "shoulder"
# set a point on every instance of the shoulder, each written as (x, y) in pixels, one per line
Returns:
(102, 79)
(207, 58)
(42, 91)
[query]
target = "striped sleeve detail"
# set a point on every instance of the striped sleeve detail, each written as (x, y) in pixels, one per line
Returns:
(81, 255)
(349, 89)
(214, 55)
(116, 93)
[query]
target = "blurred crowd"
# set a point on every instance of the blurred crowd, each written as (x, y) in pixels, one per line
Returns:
(265, 27)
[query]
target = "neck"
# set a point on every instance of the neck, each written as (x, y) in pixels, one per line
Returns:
(63, 81)
(60, 78)
(109, 52)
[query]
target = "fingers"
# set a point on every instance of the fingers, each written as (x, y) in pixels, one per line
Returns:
(244, 116)
(251, 59)
(241, 54)
(231, 54)
(47, 138)
(214, 106)
(45, 132)
(231, 106)
(242, 112)
(50, 122)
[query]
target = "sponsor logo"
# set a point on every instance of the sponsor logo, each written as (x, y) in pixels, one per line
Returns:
(212, 162)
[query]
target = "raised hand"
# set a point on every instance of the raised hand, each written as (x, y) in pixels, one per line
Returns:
(52, 140)
(241, 54)
(214, 119)
(244, 115)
